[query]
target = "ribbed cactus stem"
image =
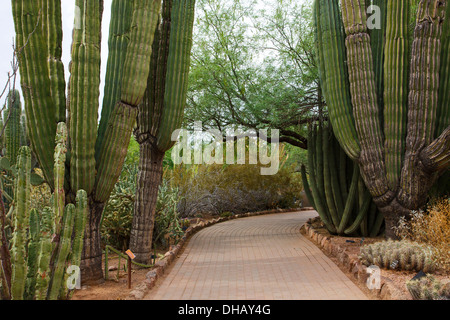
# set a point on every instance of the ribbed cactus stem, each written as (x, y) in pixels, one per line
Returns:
(337, 93)
(443, 111)
(33, 255)
(35, 82)
(111, 154)
(45, 253)
(59, 171)
(51, 21)
(396, 88)
(63, 252)
(306, 186)
(178, 63)
(364, 96)
(84, 92)
(13, 127)
(21, 224)
(327, 177)
(119, 37)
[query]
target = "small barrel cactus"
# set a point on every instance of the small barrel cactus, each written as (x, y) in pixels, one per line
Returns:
(398, 255)
(428, 288)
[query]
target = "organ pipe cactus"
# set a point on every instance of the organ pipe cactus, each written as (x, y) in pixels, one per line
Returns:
(95, 153)
(160, 114)
(393, 122)
(13, 129)
(44, 243)
(335, 188)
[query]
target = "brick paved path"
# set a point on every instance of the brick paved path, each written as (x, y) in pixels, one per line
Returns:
(262, 257)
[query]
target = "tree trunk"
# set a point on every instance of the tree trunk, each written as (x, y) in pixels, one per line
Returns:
(91, 262)
(147, 187)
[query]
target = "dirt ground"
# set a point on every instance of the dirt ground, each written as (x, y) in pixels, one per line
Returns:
(352, 246)
(116, 287)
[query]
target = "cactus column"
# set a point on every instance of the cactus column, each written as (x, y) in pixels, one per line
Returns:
(95, 157)
(399, 154)
(160, 115)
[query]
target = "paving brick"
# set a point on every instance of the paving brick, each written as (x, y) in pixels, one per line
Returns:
(262, 257)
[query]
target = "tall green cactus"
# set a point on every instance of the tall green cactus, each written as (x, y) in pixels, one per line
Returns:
(34, 274)
(393, 122)
(342, 201)
(160, 114)
(13, 128)
(95, 155)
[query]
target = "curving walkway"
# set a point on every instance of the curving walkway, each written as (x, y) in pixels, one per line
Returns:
(261, 257)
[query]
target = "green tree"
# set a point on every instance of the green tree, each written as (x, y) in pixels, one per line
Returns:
(254, 69)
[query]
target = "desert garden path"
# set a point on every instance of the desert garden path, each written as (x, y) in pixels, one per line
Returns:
(261, 257)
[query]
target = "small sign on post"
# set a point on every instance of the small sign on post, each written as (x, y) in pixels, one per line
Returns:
(131, 256)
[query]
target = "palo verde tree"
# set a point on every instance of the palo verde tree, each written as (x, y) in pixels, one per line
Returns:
(95, 152)
(394, 121)
(160, 114)
(254, 69)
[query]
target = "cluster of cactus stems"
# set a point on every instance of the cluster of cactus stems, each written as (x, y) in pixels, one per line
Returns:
(336, 189)
(160, 114)
(428, 288)
(44, 243)
(398, 255)
(97, 147)
(387, 97)
(13, 127)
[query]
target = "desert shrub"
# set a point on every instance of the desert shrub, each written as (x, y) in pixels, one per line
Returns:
(237, 188)
(168, 226)
(431, 227)
(428, 288)
(398, 255)
(118, 213)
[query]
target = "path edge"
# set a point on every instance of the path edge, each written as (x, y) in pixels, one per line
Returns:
(352, 264)
(151, 278)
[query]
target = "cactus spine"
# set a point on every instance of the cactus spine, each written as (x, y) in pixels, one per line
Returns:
(343, 212)
(95, 156)
(392, 111)
(34, 275)
(160, 114)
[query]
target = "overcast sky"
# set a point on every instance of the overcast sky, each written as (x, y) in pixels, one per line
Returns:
(7, 36)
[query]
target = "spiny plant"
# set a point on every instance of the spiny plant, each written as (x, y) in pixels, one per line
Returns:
(14, 137)
(388, 98)
(398, 255)
(344, 205)
(160, 114)
(96, 150)
(44, 243)
(428, 288)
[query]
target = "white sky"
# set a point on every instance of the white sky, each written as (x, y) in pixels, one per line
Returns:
(7, 36)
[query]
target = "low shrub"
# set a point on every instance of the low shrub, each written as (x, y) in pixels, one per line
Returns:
(234, 189)
(431, 227)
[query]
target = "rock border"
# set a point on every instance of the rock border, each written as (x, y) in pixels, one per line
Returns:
(351, 264)
(139, 292)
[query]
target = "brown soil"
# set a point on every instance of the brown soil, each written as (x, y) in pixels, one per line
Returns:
(398, 278)
(116, 287)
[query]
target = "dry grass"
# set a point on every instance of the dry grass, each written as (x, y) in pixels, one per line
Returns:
(431, 227)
